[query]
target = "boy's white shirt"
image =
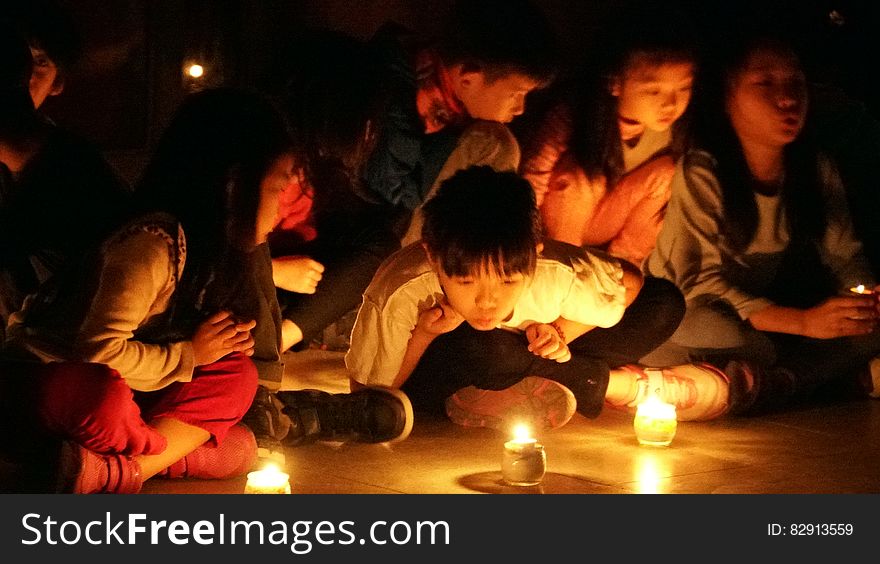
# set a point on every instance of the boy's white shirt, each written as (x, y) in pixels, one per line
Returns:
(569, 282)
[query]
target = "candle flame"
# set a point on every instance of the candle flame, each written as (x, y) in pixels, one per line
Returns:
(521, 432)
(269, 480)
(195, 71)
(860, 288)
(656, 408)
(271, 468)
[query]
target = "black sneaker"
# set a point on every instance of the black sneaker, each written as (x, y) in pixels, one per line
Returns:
(369, 415)
(266, 419)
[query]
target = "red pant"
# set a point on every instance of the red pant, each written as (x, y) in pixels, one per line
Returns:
(92, 405)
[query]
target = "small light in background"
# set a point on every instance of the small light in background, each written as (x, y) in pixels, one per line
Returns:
(837, 18)
(195, 71)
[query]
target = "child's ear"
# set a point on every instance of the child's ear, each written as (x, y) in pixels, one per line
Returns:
(540, 248)
(464, 79)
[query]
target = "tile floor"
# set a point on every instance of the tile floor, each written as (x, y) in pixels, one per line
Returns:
(830, 448)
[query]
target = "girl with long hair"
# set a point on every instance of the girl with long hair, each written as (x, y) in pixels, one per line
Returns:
(759, 239)
(602, 160)
(145, 344)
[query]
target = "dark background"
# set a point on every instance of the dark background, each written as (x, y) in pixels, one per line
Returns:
(130, 77)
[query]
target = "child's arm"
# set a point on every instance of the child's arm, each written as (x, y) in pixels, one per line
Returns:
(136, 272)
(690, 250)
(433, 322)
(838, 316)
(632, 281)
(550, 340)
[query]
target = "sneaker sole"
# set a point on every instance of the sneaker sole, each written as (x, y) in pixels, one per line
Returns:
(311, 430)
(536, 400)
(407, 408)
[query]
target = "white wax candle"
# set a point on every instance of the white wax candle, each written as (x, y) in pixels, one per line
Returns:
(269, 480)
(655, 423)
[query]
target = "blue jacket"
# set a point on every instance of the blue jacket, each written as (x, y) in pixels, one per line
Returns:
(406, 160)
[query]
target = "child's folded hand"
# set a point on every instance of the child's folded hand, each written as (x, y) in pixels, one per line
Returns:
(545, 341)
(220, 335)
(439, 319)
(297, 273)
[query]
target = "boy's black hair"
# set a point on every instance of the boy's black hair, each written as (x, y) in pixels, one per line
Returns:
(46, 25)
(483, 218)
(500, 37)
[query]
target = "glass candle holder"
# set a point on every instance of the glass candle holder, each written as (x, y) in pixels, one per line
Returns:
(524, 462)
(655, 422)
(269, 480)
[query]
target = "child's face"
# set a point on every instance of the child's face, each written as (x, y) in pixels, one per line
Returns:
(484, 298)
(498, 100)
(651, 94)
(45, 80)
(277, 178)
(767, 99)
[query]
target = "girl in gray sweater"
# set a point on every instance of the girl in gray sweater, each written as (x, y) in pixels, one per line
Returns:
(758, 238)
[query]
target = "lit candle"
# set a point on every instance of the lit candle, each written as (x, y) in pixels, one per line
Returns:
(195, 71)
(860, 289)
(269, 480)
(655, 422)
(524, 459)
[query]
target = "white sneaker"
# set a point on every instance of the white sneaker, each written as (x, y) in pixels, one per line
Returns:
(699, 392)
(543, 403)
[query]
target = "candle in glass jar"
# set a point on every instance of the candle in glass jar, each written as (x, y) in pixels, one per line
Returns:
(269, 480)
(655, 423)
(524, 459)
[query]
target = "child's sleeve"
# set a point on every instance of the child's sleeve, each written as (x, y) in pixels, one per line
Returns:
(689, 248)
(379, 340)
(597, 295)
(136, 272)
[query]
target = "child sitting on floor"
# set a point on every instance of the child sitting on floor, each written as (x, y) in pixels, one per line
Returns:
(468, 317)
(602, 160)
(137, 356)
(759, 239)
